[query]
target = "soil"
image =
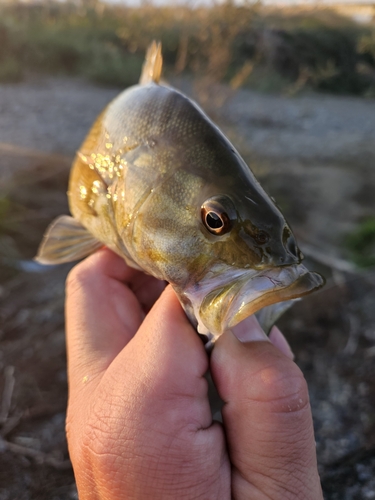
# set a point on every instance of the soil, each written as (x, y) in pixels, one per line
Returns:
(315, 154)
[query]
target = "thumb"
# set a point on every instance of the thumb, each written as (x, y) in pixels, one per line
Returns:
(267, 419)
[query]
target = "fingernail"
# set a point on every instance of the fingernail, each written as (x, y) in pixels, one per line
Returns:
(249, 330)
(280, 342)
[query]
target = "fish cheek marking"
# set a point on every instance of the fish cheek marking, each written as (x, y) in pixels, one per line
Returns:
(235, 252)
(197, 267)
(235, 248)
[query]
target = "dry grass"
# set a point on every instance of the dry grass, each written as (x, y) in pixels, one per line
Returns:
(266, 49)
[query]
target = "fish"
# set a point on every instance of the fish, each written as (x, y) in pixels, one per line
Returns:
(157, 182)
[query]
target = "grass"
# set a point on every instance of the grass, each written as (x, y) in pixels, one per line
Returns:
(270, 51)
(361, 243)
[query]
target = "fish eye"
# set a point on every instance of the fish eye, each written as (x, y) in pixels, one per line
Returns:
(216, 223)
(217, 215)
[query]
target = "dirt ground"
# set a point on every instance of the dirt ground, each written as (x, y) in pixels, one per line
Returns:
(314, 154)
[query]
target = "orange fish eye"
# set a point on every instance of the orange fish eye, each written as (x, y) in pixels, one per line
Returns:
(215, 217)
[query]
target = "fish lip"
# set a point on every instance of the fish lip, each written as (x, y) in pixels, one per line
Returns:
(226, 305)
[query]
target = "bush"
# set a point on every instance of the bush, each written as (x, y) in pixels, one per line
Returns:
(111, 67)
(222, 42)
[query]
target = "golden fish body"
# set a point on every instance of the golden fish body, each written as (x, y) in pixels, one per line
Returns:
(158, 183)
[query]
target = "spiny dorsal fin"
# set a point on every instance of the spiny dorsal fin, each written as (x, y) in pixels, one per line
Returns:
(66, 240)
(153, 64)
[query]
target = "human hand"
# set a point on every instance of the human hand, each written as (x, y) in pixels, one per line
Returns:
(139, 423)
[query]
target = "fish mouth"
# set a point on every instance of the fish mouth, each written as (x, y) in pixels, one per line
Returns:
(225, 306)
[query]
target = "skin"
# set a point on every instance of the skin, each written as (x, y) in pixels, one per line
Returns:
(139, 424)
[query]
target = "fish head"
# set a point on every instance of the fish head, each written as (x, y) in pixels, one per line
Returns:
(246, 229)
(254, 258)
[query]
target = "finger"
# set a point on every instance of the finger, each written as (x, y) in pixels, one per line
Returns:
(169, 353)
(268, 421)
(279, 341)
(250, 330)
(147, 289)
(102, 314)
(151, 415)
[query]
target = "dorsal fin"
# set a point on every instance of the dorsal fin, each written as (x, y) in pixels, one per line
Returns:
(153, 64)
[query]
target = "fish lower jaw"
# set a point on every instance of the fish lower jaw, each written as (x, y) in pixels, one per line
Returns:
(224, 307)
(303, 285)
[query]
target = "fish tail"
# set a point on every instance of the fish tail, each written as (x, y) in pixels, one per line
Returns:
(153, 64)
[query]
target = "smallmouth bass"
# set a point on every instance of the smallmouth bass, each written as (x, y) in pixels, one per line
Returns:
(159, 184)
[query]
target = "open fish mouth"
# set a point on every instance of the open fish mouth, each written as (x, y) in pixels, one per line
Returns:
(226, 305)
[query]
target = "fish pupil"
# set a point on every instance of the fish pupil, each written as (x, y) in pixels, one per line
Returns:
(214, 221)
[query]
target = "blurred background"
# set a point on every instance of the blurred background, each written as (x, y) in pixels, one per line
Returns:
(292, 84)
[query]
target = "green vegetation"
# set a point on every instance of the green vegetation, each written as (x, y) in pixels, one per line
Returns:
(361, 243)
(239, 44)
(10, 70)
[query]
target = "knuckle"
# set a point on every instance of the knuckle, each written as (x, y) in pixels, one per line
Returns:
(89, 436)
(79, 277)
(282, 385)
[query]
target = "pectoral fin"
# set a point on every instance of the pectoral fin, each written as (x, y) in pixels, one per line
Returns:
(66, 240)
